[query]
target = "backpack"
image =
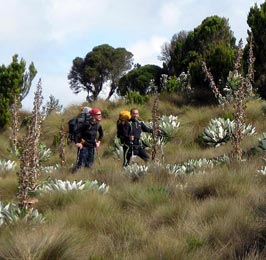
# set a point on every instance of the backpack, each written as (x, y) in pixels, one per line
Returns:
(75, 122)
(124, 116)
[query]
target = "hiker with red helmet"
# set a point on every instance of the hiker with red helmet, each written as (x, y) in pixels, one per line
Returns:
(88, 137)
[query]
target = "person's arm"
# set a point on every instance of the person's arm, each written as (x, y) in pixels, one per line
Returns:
(100, 137)
(145, 128)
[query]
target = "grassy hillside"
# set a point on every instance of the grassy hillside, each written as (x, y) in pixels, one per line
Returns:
(216, 211)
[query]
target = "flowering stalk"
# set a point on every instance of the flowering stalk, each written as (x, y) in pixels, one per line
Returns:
(15, 125)
(239, 88)
(155, 126)
(62, 145)
(29, 159)
(241, 92)
(239, 116)
(213, 86)
(251, 60)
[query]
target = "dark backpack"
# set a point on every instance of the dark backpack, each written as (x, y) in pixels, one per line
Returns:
(74, 123)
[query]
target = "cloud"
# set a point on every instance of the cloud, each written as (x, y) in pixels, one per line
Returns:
(145, 51)
(51, 33)
(60, 91)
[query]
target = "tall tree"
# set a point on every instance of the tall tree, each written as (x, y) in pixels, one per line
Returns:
(15, 81)
(139, 79)
(213, 42)
(257, 23)
(104, 63)
(173, 53)
(52, 105)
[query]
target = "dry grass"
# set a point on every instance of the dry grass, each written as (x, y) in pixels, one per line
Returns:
(217, 214)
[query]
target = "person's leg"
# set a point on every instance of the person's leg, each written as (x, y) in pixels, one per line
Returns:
(90, 157)
(141, 152)
(80, 160)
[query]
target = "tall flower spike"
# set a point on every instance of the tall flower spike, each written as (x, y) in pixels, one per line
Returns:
(155, 124)
(29, 159)
(15, 125)
(62, 145)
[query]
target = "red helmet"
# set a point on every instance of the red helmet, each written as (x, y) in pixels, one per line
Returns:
(95, 111)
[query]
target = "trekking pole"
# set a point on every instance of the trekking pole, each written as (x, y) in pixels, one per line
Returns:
(74, 169)
(97, 153)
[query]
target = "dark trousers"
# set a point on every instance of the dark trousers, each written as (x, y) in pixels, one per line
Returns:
(129, 150)
(85, 157)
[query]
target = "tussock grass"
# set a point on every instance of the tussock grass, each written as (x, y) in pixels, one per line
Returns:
(218, 213)
(49, 242)
(8, 186)
(4, 143)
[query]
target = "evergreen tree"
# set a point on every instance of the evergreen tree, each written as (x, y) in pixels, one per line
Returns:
(257, 23)
(15, 81)
(213, 42)
(139, 80)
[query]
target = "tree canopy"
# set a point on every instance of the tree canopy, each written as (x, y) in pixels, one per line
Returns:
(103, 64)
(15, 81)
(213, 42)
(139, 80)
(257, 23)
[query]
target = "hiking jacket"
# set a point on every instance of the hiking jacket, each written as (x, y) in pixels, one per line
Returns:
(87, 133)
(133, 127)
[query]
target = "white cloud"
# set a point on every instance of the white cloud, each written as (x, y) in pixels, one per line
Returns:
(60, 90)
(51, 33)
(70, 17)
(147, 52)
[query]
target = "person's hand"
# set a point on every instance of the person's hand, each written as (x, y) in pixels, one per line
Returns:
(79, 145)
(98, 144)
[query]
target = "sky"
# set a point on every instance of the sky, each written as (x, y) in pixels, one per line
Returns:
(52, 33)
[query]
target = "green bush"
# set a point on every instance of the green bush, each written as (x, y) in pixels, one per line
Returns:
(133, 97)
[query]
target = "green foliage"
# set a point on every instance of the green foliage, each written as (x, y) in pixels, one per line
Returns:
(133, 97)
(173, 85)
(180, 84)
(168, 129)
(227, 115)
(52, 105)
(194, 243)
(44, 153)
(220, 131)
(11, 213)
(209, 202)
(139, 80)
(257, 22)
(65, 186)
(213, 42)
(136, 171)
(104, 63)
(233, 83)
(7, 165)
(105, 113)
(117, 150)
(262, 142)
(15, 81)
